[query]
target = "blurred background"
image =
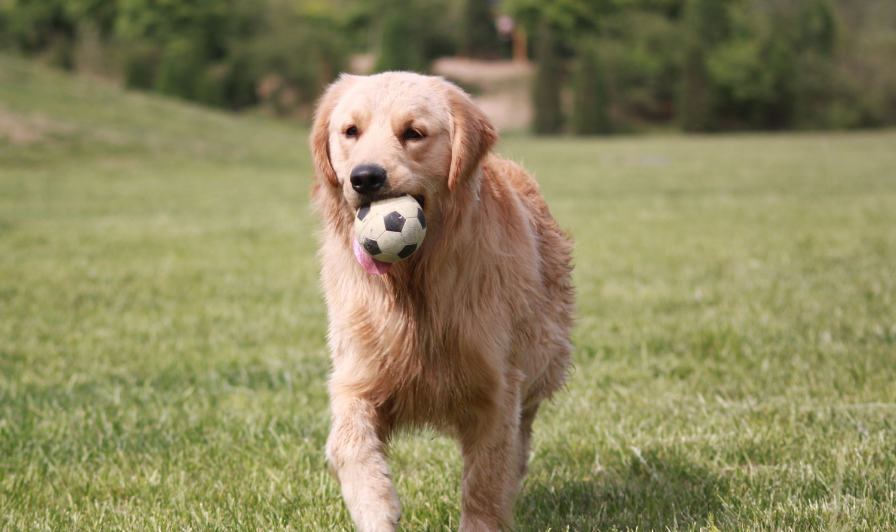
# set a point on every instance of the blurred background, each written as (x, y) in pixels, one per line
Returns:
(549, 66)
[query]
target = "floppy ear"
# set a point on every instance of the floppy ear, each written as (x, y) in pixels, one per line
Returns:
(320, 131)
(474, 136)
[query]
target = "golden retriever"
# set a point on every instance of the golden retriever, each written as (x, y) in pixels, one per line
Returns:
(470, 333)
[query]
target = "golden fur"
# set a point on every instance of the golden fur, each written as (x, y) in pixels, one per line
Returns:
(469, 334)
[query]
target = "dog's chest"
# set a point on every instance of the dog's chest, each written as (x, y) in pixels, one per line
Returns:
(442, 372)
(430, 350)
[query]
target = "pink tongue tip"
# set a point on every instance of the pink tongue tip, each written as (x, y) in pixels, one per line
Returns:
(370, 264)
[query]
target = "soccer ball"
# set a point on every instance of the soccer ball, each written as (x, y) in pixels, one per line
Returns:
(391, 230)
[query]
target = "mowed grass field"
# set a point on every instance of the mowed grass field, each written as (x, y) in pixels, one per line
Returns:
(162, 351)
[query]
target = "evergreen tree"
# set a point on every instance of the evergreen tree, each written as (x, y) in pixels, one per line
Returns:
(591, 98)
(694, 98)
(398, 51)
(479, 38)
(816, 28)
(548, 80)
(818, 86)
(179, 69)
(706, 24)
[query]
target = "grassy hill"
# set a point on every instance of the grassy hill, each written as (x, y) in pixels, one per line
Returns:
(162, 353)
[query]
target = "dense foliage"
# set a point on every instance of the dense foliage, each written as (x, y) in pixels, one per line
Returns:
(701, 65)
(591, 99)
(478, 35)
(228, 53)
(707, 65)
(548, 117)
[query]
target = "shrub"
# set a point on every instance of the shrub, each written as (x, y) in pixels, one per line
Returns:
(140, 62)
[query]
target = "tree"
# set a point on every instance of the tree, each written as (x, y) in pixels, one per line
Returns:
(816, 28)
(478, 37)
(398, 50)
(548, 80)
(823, 96)
(641, 74)
(706, 24)
(591, 99)
(571, 18)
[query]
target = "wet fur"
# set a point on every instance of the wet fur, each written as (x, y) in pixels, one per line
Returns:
(468, 335)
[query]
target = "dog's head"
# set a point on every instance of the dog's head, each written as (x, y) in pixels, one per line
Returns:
(398, 133)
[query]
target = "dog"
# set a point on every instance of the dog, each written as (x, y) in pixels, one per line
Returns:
(468, 335)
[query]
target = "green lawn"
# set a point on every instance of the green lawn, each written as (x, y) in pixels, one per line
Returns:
(162, 352)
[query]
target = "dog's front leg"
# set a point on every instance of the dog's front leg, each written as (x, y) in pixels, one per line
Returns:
(356, 455)
(491, 449)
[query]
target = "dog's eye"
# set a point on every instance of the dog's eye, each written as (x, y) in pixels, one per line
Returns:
(351, 132)
(412, 134)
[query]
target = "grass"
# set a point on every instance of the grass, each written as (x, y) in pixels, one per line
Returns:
(162, 354)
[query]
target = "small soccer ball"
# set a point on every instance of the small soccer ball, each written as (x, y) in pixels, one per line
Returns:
(391, 230)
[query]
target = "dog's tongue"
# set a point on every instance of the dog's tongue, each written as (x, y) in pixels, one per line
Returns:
(370, 264)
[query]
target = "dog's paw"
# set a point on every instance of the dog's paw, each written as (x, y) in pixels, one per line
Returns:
(382, 517)
(469, 523)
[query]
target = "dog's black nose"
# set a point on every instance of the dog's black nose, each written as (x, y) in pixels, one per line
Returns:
(368, 178)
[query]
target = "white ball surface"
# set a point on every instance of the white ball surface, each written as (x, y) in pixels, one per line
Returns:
(391, 230)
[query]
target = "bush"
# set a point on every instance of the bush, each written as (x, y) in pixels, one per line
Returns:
(267, 53)
(139, 65)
